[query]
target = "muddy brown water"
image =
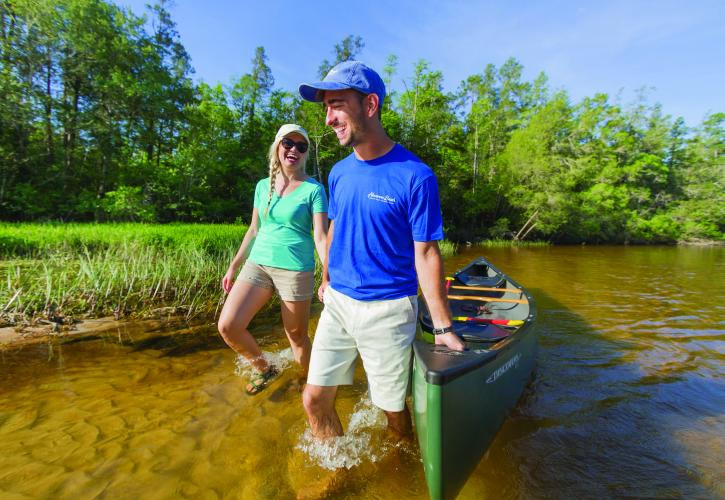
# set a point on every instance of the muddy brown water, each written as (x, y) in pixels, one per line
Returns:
(628, 399)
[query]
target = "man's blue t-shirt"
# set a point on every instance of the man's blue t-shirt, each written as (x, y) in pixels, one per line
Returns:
(379, 208)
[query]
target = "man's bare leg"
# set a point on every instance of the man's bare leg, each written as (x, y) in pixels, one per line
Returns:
(400, 424)
(319, 403)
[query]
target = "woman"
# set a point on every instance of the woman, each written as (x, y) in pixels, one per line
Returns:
(278, 254)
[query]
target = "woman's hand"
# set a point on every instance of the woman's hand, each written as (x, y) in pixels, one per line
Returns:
(228, 280)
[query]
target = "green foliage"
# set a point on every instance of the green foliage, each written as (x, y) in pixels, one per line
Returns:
(127, 204)
(500, 229)
(100, 121)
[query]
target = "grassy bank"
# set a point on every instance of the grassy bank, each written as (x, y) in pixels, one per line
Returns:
(448, 248)
(67, 271)
(512, 243)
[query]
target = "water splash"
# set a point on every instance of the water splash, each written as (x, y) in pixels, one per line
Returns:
(281, 359)
(361, 441)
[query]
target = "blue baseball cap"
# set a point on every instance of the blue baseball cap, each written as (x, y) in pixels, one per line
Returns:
(346, 75)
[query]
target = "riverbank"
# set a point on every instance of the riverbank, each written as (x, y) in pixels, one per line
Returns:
(701, 243)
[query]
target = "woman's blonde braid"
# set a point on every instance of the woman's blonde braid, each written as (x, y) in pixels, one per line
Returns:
(273, 169)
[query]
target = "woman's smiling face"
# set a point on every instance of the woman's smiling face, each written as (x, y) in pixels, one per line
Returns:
(291, 157)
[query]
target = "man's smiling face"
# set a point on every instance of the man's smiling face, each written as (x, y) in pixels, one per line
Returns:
(345, 115)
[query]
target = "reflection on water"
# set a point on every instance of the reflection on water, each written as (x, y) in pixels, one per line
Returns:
(627, 400)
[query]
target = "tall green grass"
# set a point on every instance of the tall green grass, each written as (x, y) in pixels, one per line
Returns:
(63, 270)
(448, 248)
(119, 281)
(34, 239)
(496, 243)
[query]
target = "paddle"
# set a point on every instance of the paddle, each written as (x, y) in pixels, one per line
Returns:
(485, 289)
(486, 299)
(505, 322)
(480, 288)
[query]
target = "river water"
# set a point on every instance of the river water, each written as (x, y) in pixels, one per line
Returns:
(628, 399)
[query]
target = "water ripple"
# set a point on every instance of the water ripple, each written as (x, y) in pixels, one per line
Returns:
(354, 447)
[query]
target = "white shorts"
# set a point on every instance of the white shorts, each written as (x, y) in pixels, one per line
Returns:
(382, 331)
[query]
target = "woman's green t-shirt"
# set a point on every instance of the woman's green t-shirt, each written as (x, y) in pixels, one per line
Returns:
(284, 238)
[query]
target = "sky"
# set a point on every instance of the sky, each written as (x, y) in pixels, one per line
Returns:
(673, 49)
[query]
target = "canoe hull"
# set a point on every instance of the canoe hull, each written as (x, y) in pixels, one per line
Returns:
(461, 401)
(457, 422)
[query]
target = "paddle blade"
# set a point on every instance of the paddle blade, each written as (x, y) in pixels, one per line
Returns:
(493, 321)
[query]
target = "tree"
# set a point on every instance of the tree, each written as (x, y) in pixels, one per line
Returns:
(249, 93)
(700, 212)
(347, 50)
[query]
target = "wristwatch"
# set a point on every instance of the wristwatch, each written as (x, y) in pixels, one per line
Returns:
(441, 331)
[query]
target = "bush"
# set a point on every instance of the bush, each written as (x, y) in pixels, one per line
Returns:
(127, 204)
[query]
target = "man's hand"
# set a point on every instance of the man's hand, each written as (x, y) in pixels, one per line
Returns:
(321, 290)
(429, 265)
(451, 341)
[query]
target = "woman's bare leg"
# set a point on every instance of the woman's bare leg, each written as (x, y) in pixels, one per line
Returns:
(243, 302)
(296, 317)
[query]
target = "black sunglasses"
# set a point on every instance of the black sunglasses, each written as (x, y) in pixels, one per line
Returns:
(288, 143)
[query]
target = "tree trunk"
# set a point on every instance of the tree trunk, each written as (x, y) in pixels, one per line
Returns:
(150, 142)
(69, 137)
(475, 158)
(159, 139)
(101, 191)
(49, 149)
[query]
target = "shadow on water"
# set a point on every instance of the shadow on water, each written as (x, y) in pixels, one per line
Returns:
(266, 324)
(592, 424)
(181, 345)
(85, 338)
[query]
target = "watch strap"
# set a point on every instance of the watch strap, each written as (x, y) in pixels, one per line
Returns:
(441, 331)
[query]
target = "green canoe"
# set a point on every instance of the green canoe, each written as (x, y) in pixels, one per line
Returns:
(460, 399)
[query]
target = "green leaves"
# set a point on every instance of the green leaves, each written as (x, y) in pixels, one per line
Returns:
(99, 120)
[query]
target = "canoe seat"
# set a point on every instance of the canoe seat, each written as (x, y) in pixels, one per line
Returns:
(480, 332)
(487, 281)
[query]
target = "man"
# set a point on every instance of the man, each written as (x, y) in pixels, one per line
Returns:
(385, 222)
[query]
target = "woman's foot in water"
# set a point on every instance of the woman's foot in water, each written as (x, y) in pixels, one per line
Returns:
(260, 380)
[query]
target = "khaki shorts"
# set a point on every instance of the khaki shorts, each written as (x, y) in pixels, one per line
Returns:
(382, 331)
(292, 286)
